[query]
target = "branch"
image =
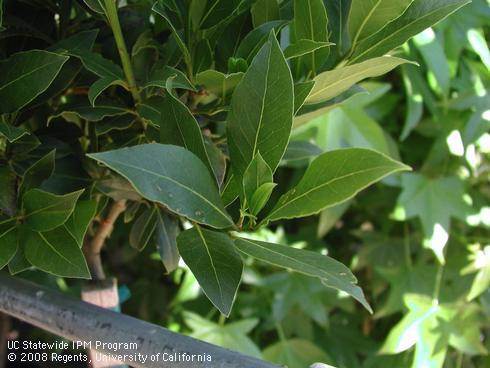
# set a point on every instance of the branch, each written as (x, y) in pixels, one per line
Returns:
(92, 248)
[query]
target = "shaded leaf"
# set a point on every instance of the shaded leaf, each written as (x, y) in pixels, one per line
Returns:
(45, 211)
(214, 262)
(8, 244)
(79, 221)
(166, 234)
(143, 229)
(38, 172)
(12, 133)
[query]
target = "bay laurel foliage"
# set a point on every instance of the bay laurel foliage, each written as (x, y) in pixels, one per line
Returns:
(220, 123)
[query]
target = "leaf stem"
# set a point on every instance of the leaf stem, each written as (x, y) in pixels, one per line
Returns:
(113, 20)
(438, 282)
(408, 250)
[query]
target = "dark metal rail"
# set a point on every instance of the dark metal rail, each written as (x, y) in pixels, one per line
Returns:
(79, 321)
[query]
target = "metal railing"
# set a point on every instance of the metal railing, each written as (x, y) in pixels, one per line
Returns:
(79, 321)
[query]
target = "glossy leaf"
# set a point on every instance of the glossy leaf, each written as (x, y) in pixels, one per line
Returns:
(301, 92)
(332, 83)
(45, 211)
(260, 197)
(166, 234)
(56, 252)
(253, 41)
(333, 178)
(332, 273)
(261, 121)
(212, 258)
(160, 173)
(420, 15)
(26, 75)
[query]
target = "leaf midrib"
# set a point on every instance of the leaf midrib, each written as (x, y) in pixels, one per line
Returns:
(326, 184)
(58, 253)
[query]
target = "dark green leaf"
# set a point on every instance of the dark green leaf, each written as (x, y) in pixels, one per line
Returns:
(332, 273)
(118, 188)
(166, 240)
(161, 173)
(142, 229)
(25, 75)
(254, 40)
(12, 133)
(216, 11)
(38, 172)
(56, 252)
(213, 260)
(264, 11)
(8, 191)
(95, 5)
(79, 221)
(45, 211)
(333, 178)
(160, 75)
(8, 244)
(261, 121)
(301, 92)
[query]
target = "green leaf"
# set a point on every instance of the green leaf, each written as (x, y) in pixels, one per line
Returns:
(231, 336)
(8, 191)
(166, 240)
(45, 211)
(161, 173)
(300, 151)
(264, 11)
(301, 92)
(480, 263)
(332, 273)
(118, 188)
(295, 353)
(12, 133)
(216, 11)
(26, 75)
(329, 217)
(333, 178)
(333, 82)
(101, 85)
(212, 258)
(434, 201)
(95, 5)
(304, 47)
(38, 172)
(257, 173)
(254, 41)
(56, 252)
(142, 229)
(179, 127)
(160, 75)
(420, 15)
(8, 244)
(160, 9)
(218, 83)
(97, 64)
(369, 16)
(260, 197)
(89, 113)
(310, 23)
(261, 121)
(79, 221)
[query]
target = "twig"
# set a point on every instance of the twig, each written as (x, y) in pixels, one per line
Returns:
(93, 247)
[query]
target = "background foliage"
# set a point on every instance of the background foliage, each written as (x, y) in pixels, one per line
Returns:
(204, 75)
